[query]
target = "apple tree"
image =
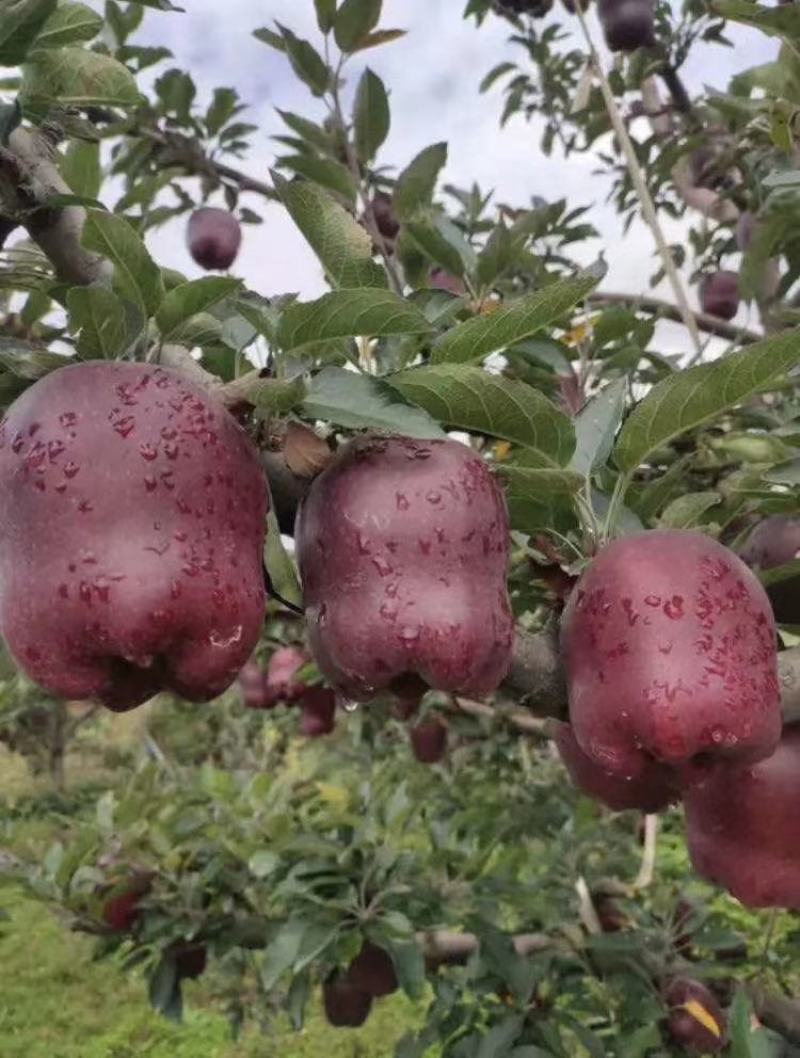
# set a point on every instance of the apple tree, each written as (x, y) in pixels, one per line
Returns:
(424, 540)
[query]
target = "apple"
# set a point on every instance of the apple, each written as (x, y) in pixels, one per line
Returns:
(776, 542)
(669, 648)
(534, 8)
(441, 280)
(372, 971)
(429, 741)
(318, 705)
(252, 684)
(743, 826)
(282, 683)
(214, 237)
(403, 548)
(132, 522)
(190, 961)
(385, 217)
(627, 24)
(121, 909)
(346, 1007)
(695, 1018)
(719, 294)
(652, 791)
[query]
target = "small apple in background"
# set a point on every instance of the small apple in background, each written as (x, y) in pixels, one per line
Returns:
(403, 549)
(776, 542)
(252, 684)
(627, 24)
(121, 909)
(346, 1007)
(743, 826)
(695, 1019)
(429, 741)
(719, 294)
(214, 237)
(441, 280)
(669, 649)
(132, 522)
(385, 218)
(190, 961)
(372, 971)
(652, 791)
(318, 705)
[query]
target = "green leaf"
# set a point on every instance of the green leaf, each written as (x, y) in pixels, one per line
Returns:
(306, 62)
(744, 1041)
(362, 401)
(80, 167)
(416, 184)
(688, 399)
(20, 23)
(326, 14)
(224, 106)
(22, 363)
(339, 241)
(498, 1040)
(10, 119)
(78, 77)
(307, 130)
(538, 496)
(354, 20)
(327, 172)
(473, 399)
(496, 256)
(188, 299)
(136, 275)
(281, 569)
(686, 511)
(381, 36)
(595, 427)
(349, 313)
(409, 965)
(68, 24)
(165, 990)
(427, 233)
(100, 316)
(371, 116)
(275, 394)
(774, 21)
(479, 337)
(281, 953)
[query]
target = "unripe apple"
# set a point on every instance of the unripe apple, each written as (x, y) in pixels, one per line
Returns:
(669, 648)
(719, 294)
(372, 971)
(429, 741)
(132, 520)
(695, 1018)
(776, 542)
(282, 683)
(651, 791)
(403, 548)
(743, 827)
(318, 705)
(214, 237)
(252, 684)
(627, 24)
(346, 1007)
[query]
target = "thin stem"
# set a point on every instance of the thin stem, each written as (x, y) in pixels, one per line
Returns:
(642, 190)
(647, 870)
(617, 496)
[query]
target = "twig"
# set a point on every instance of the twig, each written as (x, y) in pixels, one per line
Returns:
(666, 310)
(644, 879)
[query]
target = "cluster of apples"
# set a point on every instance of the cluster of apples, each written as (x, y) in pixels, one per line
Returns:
(281, 683)
(627, 24)
(348, 996)
(669, 645)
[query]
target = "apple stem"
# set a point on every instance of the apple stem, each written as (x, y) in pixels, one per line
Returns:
(586, 909)
(644, 878)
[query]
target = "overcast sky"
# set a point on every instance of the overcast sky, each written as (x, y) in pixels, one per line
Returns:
(433, 75)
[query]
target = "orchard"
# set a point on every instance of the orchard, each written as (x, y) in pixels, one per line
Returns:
(421, 659)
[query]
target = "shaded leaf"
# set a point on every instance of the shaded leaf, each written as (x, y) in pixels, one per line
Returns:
(349, 313)
(102, 319)
(354, 20)
(191, 298)
(78, 77)
(416, 184)
(362, 401)
(595, 427)
(371, 116)
(136, 275)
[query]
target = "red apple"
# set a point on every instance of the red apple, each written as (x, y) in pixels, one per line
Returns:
(719, 294)
(651, 791)
(744, 827)
(252, 684)
(191, 961)
(776, 542)
(132, 520)
(385, 217)
(627, 24)
(282, 684)
(214, 237)
(403, 548)
(429, 741)
(372, 971)
(695, 1019)
(121, 909)
(346, 1007)
(668, 643)
(441, 280)
(318, 705)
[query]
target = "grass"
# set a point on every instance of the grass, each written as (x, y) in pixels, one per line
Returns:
(56, 1002)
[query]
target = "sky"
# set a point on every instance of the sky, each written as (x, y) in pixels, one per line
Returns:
(433, 75)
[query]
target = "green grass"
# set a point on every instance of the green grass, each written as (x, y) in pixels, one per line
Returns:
(56, 1002)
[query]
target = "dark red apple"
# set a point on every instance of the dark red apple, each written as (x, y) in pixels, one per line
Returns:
(385, 217)
(429, 741)
(346, 1007)
(252, 684)
(403, 548)
(132, 520)
(651, 791)
(534, 8)
(610, 915)
(214, 237)
(695, 1018)
(719, 294)
(318, 705)
(627, 24)
(121, 909)
(282, 684)
(191, 961)
(743, 827)
(372, 971)
(669, 648)
(776, 542)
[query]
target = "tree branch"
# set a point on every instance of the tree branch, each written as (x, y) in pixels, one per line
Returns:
(665, 309)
